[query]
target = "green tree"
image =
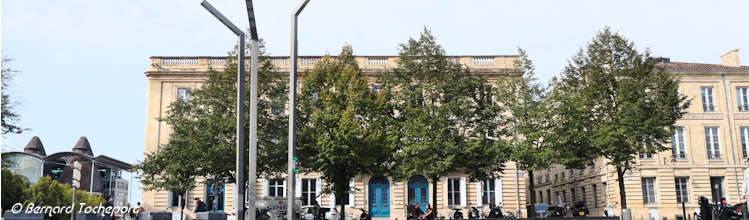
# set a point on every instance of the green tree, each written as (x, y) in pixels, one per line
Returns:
(173, 167)
(621, 103)
(14, 190)
(442, 115)
(207, 122)
(343, 130)
(49, 192)
(527, 114)
(9, 116)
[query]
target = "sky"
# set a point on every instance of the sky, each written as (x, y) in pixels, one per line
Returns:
(82, 63)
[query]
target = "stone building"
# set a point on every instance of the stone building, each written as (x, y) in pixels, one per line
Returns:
(169, 79)
(708, 156)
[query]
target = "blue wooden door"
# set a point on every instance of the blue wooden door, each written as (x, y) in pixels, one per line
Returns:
(379, 197)
(418, 192)
(214, 195)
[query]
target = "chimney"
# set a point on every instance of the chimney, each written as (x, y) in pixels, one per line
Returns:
(730, 58)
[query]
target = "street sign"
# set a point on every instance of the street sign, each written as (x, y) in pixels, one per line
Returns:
(76, 165)
(76, 184)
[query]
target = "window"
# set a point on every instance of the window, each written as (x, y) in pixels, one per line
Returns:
(574, 195)
(742, 99)
(541, 196)
(559, 198)
(276, 188)
(453, 191)
(677, 143)
(711, 140)
(376, 89)
(716, 187)
(308, 191)
(582, 190)
(487, 189)
(707, 99)
(277, 106)
(682, 190)
(648, 190)
(184, 94)
(564, 196)
(646, 155)
(744, 140)
(548, 196)
(595, 196)
(175, 199)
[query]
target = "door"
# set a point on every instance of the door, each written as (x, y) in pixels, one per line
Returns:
(379, 197)
(214, 194)
(418, 191)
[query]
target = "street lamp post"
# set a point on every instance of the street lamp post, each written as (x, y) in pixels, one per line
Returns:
(252, 188)
(238, 203)
(292, 111)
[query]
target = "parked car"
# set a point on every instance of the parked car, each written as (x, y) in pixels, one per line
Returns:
(326, 212)
(542, 210)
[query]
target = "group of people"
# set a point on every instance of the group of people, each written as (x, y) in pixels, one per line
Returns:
(416, 213)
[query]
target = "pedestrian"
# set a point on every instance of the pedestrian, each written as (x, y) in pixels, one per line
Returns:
(429, 215)
(316, 210)
(138, 210)
(108, 203)
(200, 206)
(417, 212)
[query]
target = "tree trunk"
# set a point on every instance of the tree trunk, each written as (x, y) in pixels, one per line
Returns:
(182, 212)
(622, 193)
(343, 211)
(532, 191)
(434, 195)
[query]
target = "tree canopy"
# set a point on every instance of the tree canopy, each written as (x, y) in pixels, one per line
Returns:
(619, 103)
(442, 115)
(343, 130)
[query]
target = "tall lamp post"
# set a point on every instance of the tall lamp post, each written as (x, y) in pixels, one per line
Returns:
(238, 203)
(252, 188)
(292, 112)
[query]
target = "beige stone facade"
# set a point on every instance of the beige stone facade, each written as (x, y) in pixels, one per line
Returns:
(169, 76)
(719, 121)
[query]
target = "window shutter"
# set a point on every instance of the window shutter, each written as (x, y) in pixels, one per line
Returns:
(266, 187)
(284, 187)
(298, 188)
(318, 185)
(444, 192)
(332, 199)
(351, 196)
(479, 192)
(498, 191)
(169, 197)
(463, 191)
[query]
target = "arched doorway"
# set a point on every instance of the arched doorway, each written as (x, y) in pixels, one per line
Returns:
(379, 196)
(418, 191)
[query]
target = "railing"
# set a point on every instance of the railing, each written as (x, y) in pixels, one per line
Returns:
(278, 61)
(197, 63)
(377, 61)
(483, 60)
(308, 61)
(218, 61)
(179, 61)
